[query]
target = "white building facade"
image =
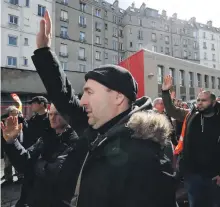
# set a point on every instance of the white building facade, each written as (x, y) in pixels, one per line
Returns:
(20, 21)
(209, 44)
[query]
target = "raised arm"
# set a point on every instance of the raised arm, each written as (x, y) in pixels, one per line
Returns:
(171, 110)
(20, 157)
(58, 87)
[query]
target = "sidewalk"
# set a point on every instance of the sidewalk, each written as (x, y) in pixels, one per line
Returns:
(9, 194)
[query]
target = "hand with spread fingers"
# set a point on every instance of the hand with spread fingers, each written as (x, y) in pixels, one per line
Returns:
(11, 129)
(167, 83)
(45, 34)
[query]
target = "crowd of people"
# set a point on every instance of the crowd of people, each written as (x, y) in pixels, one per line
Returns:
(108, 148)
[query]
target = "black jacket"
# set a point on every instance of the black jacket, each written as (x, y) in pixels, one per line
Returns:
(46, 167)
(36, 127)
(121, 170)
(207, 163)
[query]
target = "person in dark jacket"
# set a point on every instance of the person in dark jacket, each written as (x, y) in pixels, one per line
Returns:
(38, 123)
(125, 165)
(8, 174)
(46, 165)
(201, 146)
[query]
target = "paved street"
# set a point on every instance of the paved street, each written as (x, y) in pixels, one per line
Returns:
(10, 193)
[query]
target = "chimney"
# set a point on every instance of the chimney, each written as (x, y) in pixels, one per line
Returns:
(115, 4)
(133, 5)
(193, 20)
(209, 23)
(175, 16)
(143, 6)
(164, 13)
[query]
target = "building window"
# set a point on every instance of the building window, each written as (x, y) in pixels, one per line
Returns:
(206, 79)
(205, 56)
(184, 43)
(120, 33)
(82, 36)
(98, 12)
(161, 49)
(13, 19)
(204, 45)
(120, 46)
(218, 83)
(184, 53)
(204, 35)
(98, 26)
(106, 26)
(160, 71)
(98, 40)
(12, 40)
(153, 24)
(106, 41)
(166, 27)
(65, 2)
(153, 37)
(115, 45)
(131, 44)
(213, 57)
(82, 68)
(199, 80)
(12, 61)
(213, 82)
(106, 55)
(98, 55)
(214, 66)
(140, 46)
(81, 53)
(195, 45)
(140, 21)
(25, 41)
(213, 46)
(130, 30)
(191, 84)
(115, 19)
(195, 55)
(106, 13)
(63, 50)
(194, 34)
(140, 35)
(63, 32)
(167, 50)
(64, 16)
(25, 61)
(27, 3)
(15, 2)
(182, 81)
(41, 10)
(63, 65)
(82, 20)
(172, 74)
(115, 59)
(82, 7)
(115, 32)
(154, 48)
(212, 37)
(130, 18)
(167, 39)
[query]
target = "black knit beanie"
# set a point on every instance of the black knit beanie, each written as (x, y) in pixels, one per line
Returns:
(116, 78)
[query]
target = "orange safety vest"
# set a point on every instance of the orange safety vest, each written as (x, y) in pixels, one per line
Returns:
(179, 147)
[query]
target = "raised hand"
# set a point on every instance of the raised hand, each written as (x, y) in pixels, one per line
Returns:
(11, 129)
(45, 34)
(167, 83)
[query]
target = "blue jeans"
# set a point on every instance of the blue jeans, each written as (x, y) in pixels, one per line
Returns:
(202, 192)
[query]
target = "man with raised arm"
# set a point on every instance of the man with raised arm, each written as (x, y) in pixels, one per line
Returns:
(125, 165)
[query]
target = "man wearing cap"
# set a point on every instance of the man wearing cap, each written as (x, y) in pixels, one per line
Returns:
(125, 165)
(39, 122)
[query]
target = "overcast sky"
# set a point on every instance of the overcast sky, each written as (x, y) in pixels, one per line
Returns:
(185, 9)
